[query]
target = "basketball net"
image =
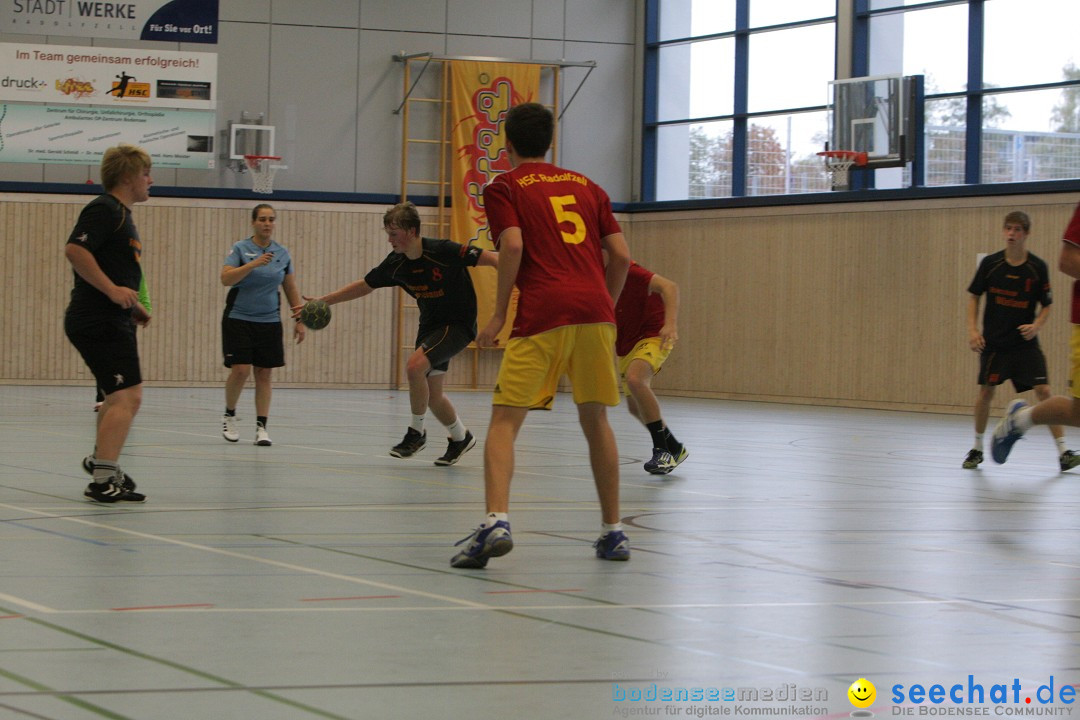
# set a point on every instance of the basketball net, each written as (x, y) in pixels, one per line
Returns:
(838, 164)
(262, 172)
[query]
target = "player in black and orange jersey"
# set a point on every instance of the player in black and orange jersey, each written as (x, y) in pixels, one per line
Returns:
(1016, 282)
(435, 273)
(551, 226)
(104, 250)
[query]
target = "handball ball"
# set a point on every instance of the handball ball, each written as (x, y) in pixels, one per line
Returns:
(315, 314)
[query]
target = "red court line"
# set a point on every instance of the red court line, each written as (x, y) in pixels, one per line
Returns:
(355, 597)
(514, 592)
(11, 617)
(163, 607)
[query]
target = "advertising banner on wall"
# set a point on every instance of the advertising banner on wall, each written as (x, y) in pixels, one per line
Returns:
(482, 93)
(35, 72)
(75, 135)
(191, 21)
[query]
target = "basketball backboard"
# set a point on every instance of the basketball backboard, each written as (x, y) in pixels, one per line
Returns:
(872, 115)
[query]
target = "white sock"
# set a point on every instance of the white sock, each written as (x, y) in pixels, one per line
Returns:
(417, 423)
(1062, 447)
(493, 518)
(1022, 419)
(104, 471)
(456, 430)
(978, 442)
(605, 528)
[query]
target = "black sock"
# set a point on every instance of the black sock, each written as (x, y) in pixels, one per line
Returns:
(261, 421)
(230, 413)
(673, 446)
(658, 432)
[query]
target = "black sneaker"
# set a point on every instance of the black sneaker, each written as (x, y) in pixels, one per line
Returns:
(456, 448)
(1068, 460)
(88, 466)
(413, 443)
(110, 492)
(974, 457)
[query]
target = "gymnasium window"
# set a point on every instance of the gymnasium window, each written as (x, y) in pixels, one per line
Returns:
(1002, 83)
(736, 90)
(730, 110)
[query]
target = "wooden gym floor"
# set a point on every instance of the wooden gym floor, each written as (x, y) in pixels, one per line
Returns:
(797, 550)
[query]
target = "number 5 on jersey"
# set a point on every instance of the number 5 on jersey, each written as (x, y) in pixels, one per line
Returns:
(560, 203)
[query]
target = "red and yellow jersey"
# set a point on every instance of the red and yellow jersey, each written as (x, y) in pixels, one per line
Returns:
(638, 315)
(1072, 235)
(562, 216)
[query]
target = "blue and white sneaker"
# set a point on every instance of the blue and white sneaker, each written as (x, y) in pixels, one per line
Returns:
(678, 458)
(484, 543)
(661, 462)
(613, 545)
(1006, 433)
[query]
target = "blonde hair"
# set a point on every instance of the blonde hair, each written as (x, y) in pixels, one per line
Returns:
(121, 162)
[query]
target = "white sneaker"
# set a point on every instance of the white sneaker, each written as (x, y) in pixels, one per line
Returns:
(228, 428)
(261, 438)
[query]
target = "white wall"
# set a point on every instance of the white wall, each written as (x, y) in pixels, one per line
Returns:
(323, 74)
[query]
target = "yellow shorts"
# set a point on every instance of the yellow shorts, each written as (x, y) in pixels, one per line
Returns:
(532, 366)
(1074, 362)
(651, 350)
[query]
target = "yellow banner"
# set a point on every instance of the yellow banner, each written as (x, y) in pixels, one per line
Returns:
(482, 93)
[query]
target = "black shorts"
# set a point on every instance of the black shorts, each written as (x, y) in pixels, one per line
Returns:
(252, 343)
(109, 348)
(442, 343)
(1025, 366)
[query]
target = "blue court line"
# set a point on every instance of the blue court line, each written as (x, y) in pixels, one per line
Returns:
(60, 534)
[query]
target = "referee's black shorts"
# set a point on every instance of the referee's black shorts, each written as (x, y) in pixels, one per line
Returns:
(252, 343)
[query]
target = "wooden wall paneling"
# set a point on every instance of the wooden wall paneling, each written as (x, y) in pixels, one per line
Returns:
(859, 304)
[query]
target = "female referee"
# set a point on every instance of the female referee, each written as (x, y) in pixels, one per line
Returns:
(251, 331)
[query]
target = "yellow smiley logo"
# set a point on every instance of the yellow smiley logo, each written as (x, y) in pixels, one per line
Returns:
(862, 693)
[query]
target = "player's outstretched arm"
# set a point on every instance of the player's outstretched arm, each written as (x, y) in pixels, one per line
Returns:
(348, 292)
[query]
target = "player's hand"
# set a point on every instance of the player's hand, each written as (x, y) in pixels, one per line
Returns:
(295, 309)
(487, 336)
(140, 316)
(1028, 331)
(264, 259)
(299, 332)
(124, 297)
(669, 335)
(976, 342)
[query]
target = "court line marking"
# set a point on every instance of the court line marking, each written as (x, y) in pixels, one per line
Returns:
(252, 558)
(201, 609)
(37, 607)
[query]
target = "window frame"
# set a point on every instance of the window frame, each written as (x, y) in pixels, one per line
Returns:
(861, 15)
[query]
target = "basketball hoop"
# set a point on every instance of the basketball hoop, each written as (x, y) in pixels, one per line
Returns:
(839, 162)
(262, 172)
